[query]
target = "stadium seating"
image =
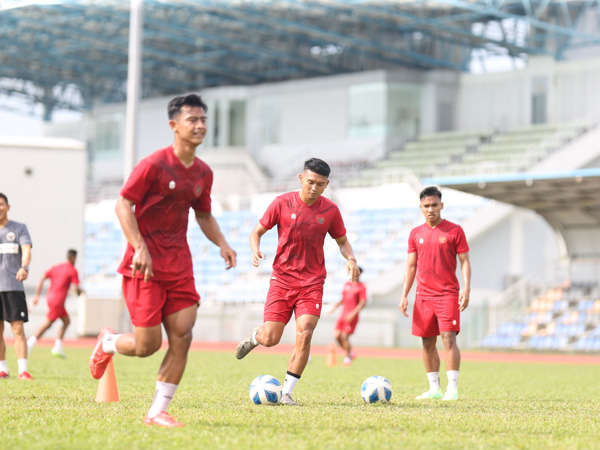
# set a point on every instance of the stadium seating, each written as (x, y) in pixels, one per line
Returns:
(561, 319)
(479, 152)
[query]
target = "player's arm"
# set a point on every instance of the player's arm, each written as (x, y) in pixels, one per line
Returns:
(336, 306)
(141, 261)
(348, 253)
(23, 273)
(255, 236)
(210, 228)
(38, 290)
(465, 269)
(78, 290)
(409, 277)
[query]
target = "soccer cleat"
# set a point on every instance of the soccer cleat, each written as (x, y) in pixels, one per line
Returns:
(25, 376)
(286, 399)
(163, 419)
(246, 345)
(451, 394)
(347, 362)
(432, 394)
(99, 359)
(3, 375)
(59, 353)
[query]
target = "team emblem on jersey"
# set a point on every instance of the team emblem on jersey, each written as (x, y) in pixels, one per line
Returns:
(442, 239)
(293, 216)
(321, 220)
(10, 236)
(171, 185)
(421, 241)
(198, 190)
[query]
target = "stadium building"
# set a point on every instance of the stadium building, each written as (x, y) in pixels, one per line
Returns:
(395, 95)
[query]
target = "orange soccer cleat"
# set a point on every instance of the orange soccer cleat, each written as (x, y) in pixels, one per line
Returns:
(99, 358)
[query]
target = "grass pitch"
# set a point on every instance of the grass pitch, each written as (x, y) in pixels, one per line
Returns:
(502, 405)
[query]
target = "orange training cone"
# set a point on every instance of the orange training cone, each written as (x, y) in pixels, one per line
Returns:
(331, 358)
(107, 386)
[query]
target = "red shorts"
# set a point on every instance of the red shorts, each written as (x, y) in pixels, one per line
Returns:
(431, 317)
(56, 311)
(282, 301)
(150, 302)
(346, 327)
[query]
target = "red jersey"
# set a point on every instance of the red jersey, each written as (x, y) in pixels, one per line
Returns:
(163, 190)
(300, 260)
(436, 250)
(61, 276)
(352, 294)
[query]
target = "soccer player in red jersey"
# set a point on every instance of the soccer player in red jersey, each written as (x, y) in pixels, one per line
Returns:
(61, 276)
(354, 298)
(158, 281)
(432, 251)
(303, 220)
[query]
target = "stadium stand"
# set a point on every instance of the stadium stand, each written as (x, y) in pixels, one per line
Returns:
(479, 152)
(561, 319)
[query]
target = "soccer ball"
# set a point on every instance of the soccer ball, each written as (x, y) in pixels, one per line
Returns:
(376, 389)
(265, 390)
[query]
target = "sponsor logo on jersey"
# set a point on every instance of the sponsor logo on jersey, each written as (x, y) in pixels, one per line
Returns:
(321, 220)
(443, 239)
(198, 191)
(10, 236)
(293, 216)
(421, 241)
(171, 184)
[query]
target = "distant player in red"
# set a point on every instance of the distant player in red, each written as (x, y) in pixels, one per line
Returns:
(158, 281)
(432, 251)
(61, 277)
(354, 299)
(303, 220)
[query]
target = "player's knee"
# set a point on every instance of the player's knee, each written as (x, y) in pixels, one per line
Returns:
(146, 349)
(269, 340)
(304, 335)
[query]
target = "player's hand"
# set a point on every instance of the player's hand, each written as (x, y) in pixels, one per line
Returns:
(229, 255)
(36, 299)
(463, 299)
(403, 306)
(142, 262)
(352, 270)
(256, 257)
(349, 318)
(22, 274)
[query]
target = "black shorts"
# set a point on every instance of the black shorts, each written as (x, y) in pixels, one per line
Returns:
(13, 306)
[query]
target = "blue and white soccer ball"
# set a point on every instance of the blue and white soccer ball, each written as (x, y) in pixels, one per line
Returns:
(265, 390)
(376, 389)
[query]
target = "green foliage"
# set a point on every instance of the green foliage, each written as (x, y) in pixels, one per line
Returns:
(502, 405)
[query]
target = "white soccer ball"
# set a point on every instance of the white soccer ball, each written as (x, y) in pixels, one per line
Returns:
(376, 389)
(265, 390)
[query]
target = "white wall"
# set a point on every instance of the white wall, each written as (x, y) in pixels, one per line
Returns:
(49, 200)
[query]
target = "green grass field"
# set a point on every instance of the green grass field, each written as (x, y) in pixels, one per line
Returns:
(502, 405)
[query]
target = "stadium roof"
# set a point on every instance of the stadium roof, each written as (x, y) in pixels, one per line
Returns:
(569, 201)
(72, 53)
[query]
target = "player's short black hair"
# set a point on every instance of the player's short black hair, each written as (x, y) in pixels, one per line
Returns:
(175, 105)
(71, 253)
(430, 191)
(317, 165)
(360, 269)
(4, 197)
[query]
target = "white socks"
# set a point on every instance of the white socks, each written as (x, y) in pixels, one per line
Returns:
(3, 367)
(452, 380)
(254, 341)
(162, 397)
(290, 382)
(109, 343)
(22, 364)
(434, 380)
(58, 345)
(31, 342)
